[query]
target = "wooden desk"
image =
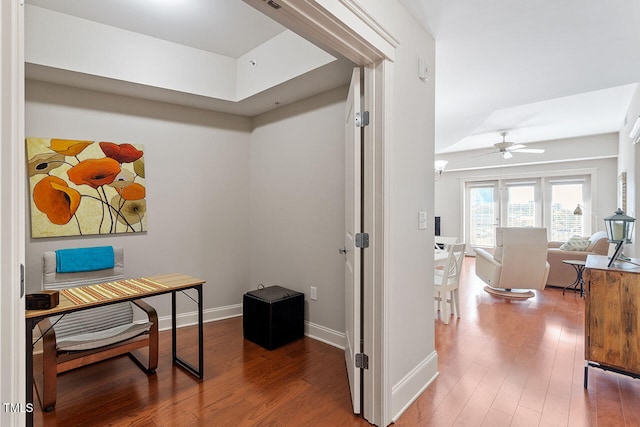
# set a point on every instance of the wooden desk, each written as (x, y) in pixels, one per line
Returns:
(172, 283)
(612, 326)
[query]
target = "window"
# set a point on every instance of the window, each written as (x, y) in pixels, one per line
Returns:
(521, 204)
(566, 195)
(482, 216)
(528, 202)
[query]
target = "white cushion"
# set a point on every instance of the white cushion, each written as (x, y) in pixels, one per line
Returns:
(102, 338)
(576, 243)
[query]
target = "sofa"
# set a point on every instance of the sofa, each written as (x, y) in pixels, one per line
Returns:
(561, 274)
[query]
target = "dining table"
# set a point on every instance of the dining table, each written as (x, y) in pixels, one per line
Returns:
(440, 257)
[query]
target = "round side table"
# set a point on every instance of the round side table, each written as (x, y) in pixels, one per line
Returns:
(578, 265)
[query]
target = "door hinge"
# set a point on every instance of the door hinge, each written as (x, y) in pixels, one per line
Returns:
(362, 361)
(21, 280)
(362, 119)
(362, 240)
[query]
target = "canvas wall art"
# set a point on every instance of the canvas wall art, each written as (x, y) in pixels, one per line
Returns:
(85, 187)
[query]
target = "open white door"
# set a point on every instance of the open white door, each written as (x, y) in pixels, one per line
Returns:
(15, 402)
(353, 223)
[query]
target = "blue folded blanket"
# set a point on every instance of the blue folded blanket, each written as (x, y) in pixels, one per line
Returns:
(84, 259)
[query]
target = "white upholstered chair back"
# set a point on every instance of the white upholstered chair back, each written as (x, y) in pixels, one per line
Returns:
(95, 319)
(519, 260)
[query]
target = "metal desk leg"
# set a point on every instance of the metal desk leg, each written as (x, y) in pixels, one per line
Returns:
(200, 333)
(174, 356)
(198, 372)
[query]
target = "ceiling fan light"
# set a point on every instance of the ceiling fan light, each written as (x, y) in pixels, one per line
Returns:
(440, 165)
(506, 155)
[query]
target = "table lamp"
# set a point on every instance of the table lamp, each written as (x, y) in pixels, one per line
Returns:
(619, 229)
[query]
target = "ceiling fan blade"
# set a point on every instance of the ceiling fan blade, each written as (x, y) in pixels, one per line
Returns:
(506, 155)
(515, 147)
(531, 150)
(488, 153)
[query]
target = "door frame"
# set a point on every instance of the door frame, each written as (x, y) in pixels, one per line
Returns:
(12, 213)
(345, 28)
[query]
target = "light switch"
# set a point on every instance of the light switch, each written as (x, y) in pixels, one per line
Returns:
(422, 220)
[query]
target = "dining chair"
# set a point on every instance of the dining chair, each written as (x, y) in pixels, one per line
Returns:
(446, 282)
(442, 241)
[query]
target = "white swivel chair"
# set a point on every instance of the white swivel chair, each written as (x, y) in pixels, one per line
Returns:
(518, 263)
(446, 282)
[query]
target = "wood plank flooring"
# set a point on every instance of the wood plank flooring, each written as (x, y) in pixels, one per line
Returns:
(302, 383)
(519, 363)
(503, 363)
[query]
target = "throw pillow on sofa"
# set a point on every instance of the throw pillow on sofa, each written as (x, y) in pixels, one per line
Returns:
(576, 243)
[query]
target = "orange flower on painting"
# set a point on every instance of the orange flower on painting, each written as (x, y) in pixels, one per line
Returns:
(69, 147)
(134, 191)
(94, 172)
(56, 199)
(123, 153)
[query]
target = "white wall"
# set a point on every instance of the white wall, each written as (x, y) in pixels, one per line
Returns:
(629, 162)
(233, 200)
(284, 57)
(197, 166)
(412, 360)
(69, 43)
(297, 205)
(64, 42)
(594, 152)
(558, 150)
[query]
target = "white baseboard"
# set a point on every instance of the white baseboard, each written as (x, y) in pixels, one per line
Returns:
(405, 392)
(312, 330)
(326, 335)
(209, 315)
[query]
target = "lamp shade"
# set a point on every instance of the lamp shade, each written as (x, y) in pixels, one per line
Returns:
(440, 165)
(619, 227)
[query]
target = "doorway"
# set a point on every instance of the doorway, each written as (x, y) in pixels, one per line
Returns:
(376, 60)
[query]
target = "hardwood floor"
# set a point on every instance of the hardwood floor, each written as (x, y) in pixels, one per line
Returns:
(517, 363)
(302, 383)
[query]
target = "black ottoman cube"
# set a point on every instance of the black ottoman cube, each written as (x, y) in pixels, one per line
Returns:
(273, 316)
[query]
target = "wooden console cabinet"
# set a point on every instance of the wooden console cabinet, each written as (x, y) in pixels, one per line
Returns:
(612, 316)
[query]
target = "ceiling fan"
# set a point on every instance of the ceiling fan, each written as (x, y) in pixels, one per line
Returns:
(506, 148)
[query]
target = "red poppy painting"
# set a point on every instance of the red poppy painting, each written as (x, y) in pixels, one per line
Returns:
(82, 187)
